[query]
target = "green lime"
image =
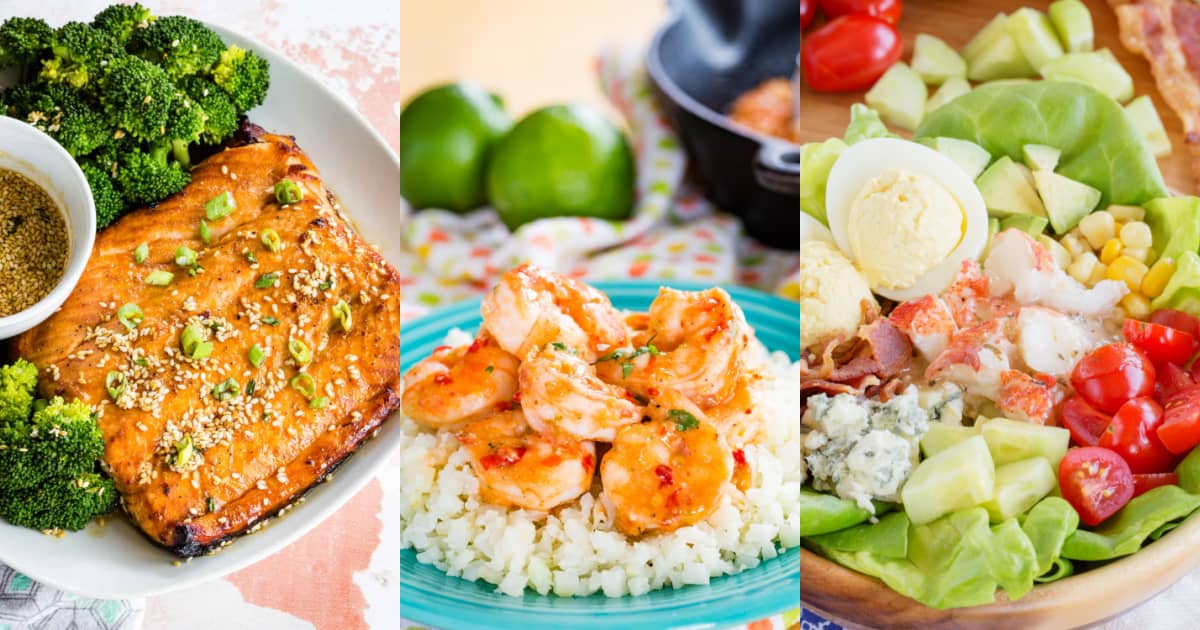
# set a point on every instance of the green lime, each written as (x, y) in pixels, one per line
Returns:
(562, 160)
(446, 135)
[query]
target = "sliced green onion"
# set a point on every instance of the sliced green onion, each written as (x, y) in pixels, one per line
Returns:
(286, 192)
(267, 280)
(299, 351)
(185, 257)
(192, 342)
(183, 451)
(226, 390)
(270, 240)
(251, 256)
(304, 384)
(250, 386)
(256, 355)
(130, 316)
(159, 278)
(325, 286)
(205, 233)
(211, 504)
(318, 402)
(270, 320)
(115, 383)
(341, 311)
(220, 206)
(195, 269)
(142, 362)
(140, 253)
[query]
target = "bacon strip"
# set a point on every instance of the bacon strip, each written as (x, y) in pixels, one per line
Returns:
(877, 352)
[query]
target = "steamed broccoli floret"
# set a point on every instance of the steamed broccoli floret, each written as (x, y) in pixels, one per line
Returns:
(60, 503)
(137, 96)
(109, 203)
(220, 116)
(147, 176)
(23, 40)
(181, 45)
(184, 125)
(17, 383)
(244, 76)
(60, 440)
(61, 113)
(79, 54)
(121, 21)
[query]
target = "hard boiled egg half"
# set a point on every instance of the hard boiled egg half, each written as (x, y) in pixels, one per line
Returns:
(905, 215)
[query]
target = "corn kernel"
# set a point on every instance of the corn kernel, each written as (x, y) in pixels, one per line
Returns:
(1097, 228)
(1127, 213)
(1076, 244)
(1140, 254)
(1127, 270)
(1110, 251)
(1136, 234)
(1060, 253)
(1156, 279)
(1136, 305)
(1083, 267)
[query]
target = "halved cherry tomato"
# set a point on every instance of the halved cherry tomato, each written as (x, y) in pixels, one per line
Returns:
(886, 10)
(808, 13)
(1177, 320)
(1162, 344)
(849, 53)
(1113, 374)
(1170, 378)
(1132, 435)
(1096, 482)
(1143, 483)
(1083, 421)
(1180, 428)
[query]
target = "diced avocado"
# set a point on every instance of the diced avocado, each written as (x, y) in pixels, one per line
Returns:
(994, 54)
(1183, 289)
(959, 477)
(1066, 200)
(1019, 486)
(936, 61)
(1035, 36)
(971, 157)
(1174, 225)
(942, 436)
(1025, 172)
(816, 160)
(1073, 22)
(953, 88)
(1012, 441)
(1098, 69)
(1027, 223)
(1145, 118)
(1040, 157)
(1006, 191)
(899, 96)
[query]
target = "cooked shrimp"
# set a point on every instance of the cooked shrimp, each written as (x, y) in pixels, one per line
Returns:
(693, 343)
(531, 307)
(668, 472)
(737, 419)
(517, 466)
(560, 392)
(453, 385)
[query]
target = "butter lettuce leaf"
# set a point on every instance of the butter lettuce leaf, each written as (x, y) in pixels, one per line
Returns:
(1048, 525)
(865, 124)
(887, 539)
(1099, 143)
(821, 513)
(1126, 531)
(816, 160)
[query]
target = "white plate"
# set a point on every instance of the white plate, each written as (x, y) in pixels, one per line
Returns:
(116, 561)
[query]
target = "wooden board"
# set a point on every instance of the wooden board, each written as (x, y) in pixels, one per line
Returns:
(823, 115)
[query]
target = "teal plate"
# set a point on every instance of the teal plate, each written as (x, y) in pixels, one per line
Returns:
(429, 596)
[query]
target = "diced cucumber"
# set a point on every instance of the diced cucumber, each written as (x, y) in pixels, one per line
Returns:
(1012, 441)
(1035, 36)
(899, 96)
(1019, 486)
(1025, 172)
(1006, 191)
(986, 37)
(936, 61)
(1027, 223)
(1066, 200)
(1073, 22)
(961, 476)
(969, 156)
(994, 54)
(942, 436)
(1098, 69)
(1145, 118)
(1040, 157)
(953, 88)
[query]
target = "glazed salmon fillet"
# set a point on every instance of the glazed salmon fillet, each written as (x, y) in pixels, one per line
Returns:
(204, 448)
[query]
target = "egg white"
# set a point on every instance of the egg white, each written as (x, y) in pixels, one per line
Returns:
(813, 230)
(863, 161)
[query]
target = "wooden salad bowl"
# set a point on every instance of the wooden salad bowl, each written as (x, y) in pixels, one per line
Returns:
(859, 601)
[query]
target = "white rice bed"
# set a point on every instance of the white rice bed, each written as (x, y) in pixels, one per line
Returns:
(576, 550)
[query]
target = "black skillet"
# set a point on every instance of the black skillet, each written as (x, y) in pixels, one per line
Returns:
(709, 53)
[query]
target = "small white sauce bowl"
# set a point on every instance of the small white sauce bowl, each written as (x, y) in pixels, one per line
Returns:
(37, 156)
